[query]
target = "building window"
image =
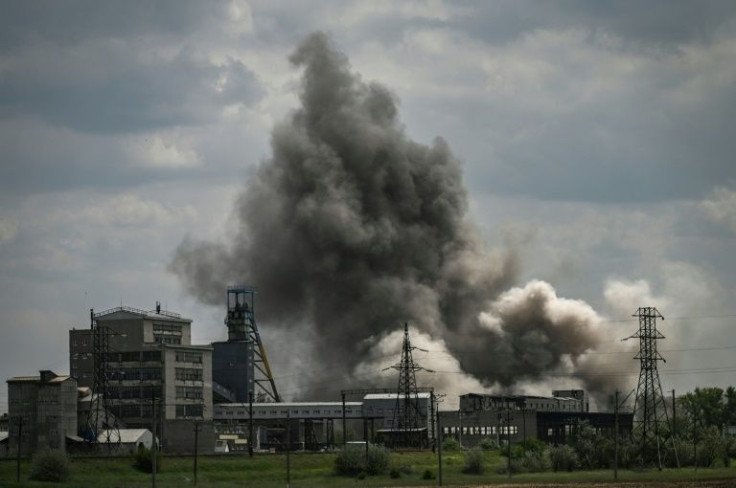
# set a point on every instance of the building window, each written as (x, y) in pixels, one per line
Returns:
(165, 333)
(188, 357)
(188, 374)
(185, 411)
(189, 393)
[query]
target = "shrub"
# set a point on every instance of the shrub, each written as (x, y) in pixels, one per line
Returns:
(729, 452)
(451, 444)
(349, 462)
(473, 462)
(534, 461)
(685, 454)
(428, 475)
(394, 473)
(563, 458)
(488, 444)
(711, 447)
(377, 460)
(143, 460)
(50, 466)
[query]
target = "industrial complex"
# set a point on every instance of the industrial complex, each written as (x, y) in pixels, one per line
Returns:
(135, 379)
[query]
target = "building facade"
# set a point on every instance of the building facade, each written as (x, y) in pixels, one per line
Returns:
(516, 418)
(42, 410)
(150, 358)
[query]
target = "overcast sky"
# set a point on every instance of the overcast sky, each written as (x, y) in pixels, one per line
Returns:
(597, 140)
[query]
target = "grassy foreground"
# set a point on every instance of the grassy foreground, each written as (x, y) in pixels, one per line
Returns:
(316, 470)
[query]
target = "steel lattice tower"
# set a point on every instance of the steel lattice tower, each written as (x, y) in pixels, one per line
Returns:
(241, 324)
(100, 421)
(408, 418)
(650, 410)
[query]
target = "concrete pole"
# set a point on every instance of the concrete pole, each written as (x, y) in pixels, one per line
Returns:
(508, 435)
(250, 424)
(344, 424)
(439, 449)
(288, 449)
(153, 446)
(196, 449)
(20, 438)
(615, 436)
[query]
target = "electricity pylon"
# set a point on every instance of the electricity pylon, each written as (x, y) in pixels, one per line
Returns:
(650, 410)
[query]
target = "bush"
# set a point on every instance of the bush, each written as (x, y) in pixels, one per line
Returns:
(50, 466)
(394, 473)
(350, 462)
(711, 448)
(428, 475)
(488, 444)
(377, 460)
(144, 460)
(451, 444)
(563, 458)
(535, 461)
(473, 462)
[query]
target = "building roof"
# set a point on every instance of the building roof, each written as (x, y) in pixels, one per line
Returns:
(289, 404)
(392, 396)
(36, 379)
(127, 436)
(121, 313)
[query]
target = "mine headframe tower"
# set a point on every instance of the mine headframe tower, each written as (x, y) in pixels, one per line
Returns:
(102, 425)
(650, 410)
(242, 326)
(409, 422)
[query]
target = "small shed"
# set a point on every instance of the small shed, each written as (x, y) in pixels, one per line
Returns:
(130, 439)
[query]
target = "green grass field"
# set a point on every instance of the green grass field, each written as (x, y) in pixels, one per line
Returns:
(316, 470)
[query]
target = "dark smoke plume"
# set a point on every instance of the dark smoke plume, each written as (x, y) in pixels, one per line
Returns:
(351, 228)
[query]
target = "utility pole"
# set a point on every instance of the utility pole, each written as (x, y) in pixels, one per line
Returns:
(288, 449)
(154, 445)
(344, 424)
(615, 437)
(250, 424)
(508, 435)
(20, 438)
(695, 435)
(674, 413)
(439, 449)
(196, 449)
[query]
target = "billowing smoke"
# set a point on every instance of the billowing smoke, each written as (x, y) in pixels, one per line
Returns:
(351, 228)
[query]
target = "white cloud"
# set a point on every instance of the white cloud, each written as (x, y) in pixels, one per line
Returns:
(625, 296)
(132, 210)
(8, 229)
(720, 207)
(163, 151)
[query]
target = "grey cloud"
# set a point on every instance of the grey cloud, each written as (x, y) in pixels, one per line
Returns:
(658, 23)
(113, 87)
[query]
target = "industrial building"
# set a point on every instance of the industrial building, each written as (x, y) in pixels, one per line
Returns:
(372, 419)
(516, 418)
(148, 357)
(240, 368)
(43, 410)
(132, 359)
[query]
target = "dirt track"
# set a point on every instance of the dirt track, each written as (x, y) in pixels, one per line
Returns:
(636, 484)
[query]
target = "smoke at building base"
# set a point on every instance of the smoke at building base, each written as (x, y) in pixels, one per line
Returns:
(351, 228)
